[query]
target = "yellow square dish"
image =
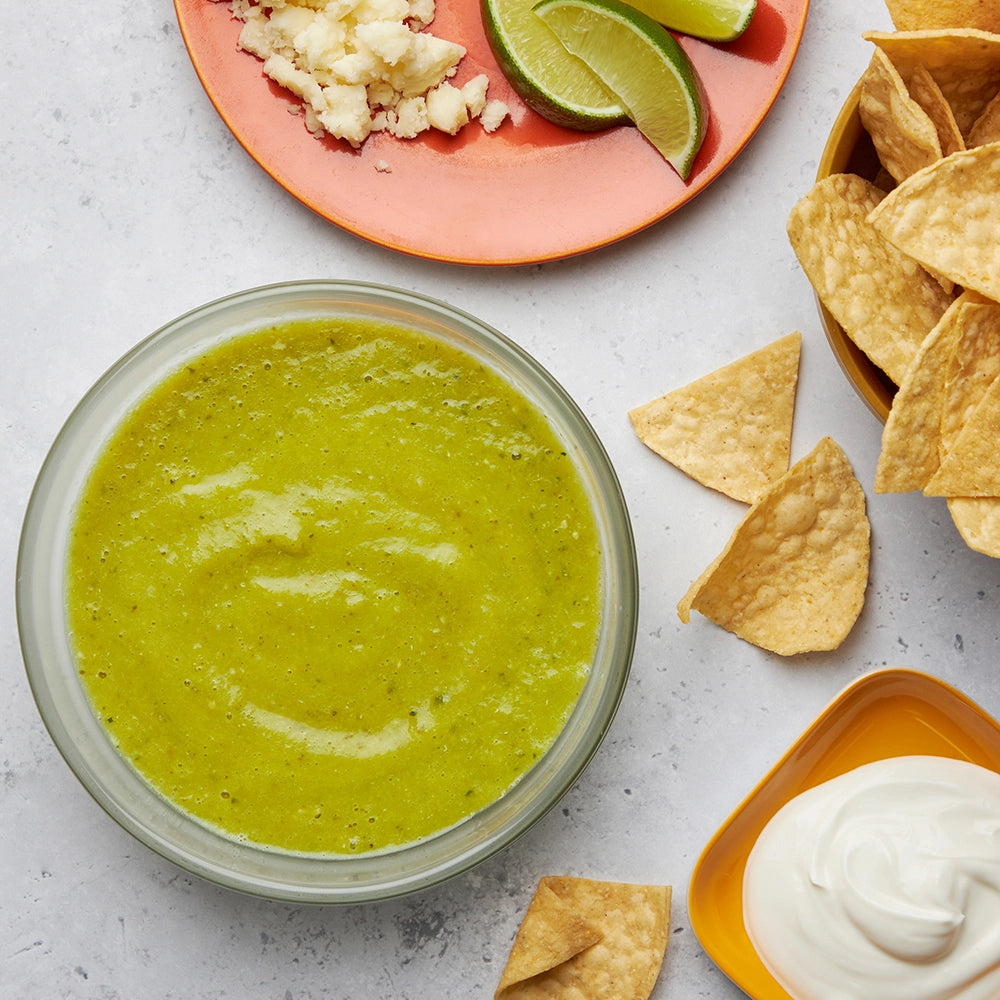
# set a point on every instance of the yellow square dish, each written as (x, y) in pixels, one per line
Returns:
(888, 713)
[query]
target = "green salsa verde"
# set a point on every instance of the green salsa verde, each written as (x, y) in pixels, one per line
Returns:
(333, 586)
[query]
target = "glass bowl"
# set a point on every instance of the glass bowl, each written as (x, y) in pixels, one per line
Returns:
(82, 739)
(849, 150)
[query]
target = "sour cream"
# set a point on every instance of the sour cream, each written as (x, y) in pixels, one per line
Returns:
(882, 884)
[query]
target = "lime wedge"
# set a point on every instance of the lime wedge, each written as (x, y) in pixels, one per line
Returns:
(545, 76)
(641, 62)
(712, 20)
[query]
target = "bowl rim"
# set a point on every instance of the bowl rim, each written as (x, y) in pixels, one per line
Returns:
(84, 743)
(846, 137)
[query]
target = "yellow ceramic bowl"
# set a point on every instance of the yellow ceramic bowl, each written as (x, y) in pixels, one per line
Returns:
(850, 150)
(888, 713)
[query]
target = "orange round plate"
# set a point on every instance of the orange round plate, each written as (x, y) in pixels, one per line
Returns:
(888, 713)
(529, 192)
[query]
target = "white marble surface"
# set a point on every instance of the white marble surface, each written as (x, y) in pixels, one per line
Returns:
(126, 202)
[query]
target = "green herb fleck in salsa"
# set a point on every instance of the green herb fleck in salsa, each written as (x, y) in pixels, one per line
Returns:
(334, 586)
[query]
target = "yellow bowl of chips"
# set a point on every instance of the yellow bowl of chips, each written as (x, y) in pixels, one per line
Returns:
(897, 237)
(887, 713)
(849, 150)
(897, 225)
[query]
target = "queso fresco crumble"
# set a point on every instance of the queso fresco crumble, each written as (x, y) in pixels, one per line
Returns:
(363, 66)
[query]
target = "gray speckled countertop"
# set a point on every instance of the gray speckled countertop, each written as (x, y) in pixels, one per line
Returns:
(126, 202)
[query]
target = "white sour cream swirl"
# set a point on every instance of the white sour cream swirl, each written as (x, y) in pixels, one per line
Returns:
(882, 884)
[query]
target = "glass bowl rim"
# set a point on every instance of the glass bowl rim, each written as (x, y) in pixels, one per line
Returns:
(164, 828)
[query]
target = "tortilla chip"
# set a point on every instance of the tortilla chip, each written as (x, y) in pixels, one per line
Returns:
(583, 938)
(551, 934)
(986, 128)
(885, 302)
(978, 522)
(971, 466)
(964, 62)
(731, 429)
(945, 216)
(925, 91)
(973, 365)
(913, 15)
(903, 134)
(911, 437)
(793, 576)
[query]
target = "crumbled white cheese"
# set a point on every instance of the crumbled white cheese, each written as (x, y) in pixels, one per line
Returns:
(409, 118)
(493, 115)
(446, 108)
(363, 66)
(421, 13)
(474, 94)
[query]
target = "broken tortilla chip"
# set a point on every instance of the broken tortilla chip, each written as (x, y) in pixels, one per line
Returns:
(882, 298)
(925, 91)
(945, 217)
(971, 465)
(986, 128)
(964, 62)
(793, 576)
(972, 366)
(911, 438)
(731, 430)
(903, 134)
(584, 938)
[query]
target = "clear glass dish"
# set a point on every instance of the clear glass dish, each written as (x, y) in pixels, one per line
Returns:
(83, 741)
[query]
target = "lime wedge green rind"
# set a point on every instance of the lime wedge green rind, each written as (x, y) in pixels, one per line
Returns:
(548, 78)
(642, 63)
(711, 20)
